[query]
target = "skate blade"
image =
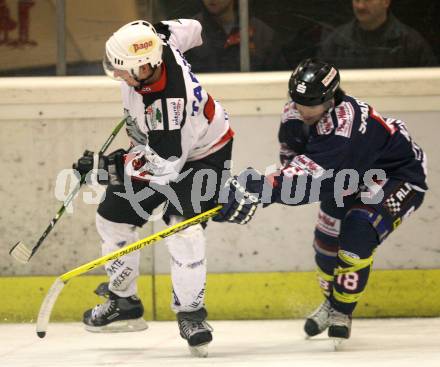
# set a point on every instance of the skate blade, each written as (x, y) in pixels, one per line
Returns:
(122, 326)
(201, 351)
(338, 343)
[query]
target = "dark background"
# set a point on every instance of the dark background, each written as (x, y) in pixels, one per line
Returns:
(300, 23)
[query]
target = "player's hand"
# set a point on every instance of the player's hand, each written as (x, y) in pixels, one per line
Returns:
(111, 168)
(84, 164)
(239, 203)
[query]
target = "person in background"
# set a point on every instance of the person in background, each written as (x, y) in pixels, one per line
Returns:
(375, 38)
(220, 51)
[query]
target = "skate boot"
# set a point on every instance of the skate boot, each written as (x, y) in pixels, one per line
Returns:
(339, 327)
(318, 320)
(117, 314)
(196, 331)
(102, 290)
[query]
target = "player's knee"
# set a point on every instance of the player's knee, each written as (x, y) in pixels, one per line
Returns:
(187, 247)
(115, 234)
(325, 253)
(327, 224)
(326, 241)
(326, 248)
(358, 236)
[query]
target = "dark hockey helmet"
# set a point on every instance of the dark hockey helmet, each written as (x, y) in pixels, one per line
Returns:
(313, 82)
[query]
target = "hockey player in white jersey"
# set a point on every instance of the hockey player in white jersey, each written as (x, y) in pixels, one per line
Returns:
(177, 131)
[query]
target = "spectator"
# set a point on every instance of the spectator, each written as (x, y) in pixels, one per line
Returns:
(220, 51)
(375, 39)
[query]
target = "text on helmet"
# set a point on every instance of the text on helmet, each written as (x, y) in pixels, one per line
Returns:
(141, 46)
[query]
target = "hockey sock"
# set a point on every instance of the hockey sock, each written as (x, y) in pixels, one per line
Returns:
(351, 277)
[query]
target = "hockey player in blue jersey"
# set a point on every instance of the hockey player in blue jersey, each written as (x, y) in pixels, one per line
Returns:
(366, 171)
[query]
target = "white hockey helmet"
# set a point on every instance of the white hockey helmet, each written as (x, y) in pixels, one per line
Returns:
(135, 44)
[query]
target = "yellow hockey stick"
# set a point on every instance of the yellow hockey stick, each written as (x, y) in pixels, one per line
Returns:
(56, 288)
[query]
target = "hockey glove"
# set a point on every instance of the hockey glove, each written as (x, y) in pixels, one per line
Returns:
(85, 164)
(111, 168)
(239, 203)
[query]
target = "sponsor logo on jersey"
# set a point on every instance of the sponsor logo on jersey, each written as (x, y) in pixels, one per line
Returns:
(145, 89)
(154, 116)
(143, 46)
(365, 111)
(175, 108)
(293, 170)
(302, 164)
(328, 224)
(399, 199)
(325, 125)
(345, 115)
(329, 77)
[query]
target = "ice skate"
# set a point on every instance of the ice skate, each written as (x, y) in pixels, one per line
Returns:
(318, 320)
(196, 331)
(102, 290)
(339, 327)
(325, 316)
(117, 314)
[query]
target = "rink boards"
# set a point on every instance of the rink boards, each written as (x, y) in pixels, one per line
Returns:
(233, 296)
(262, 270)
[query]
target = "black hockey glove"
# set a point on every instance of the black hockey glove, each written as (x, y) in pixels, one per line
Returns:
(111, 168)
(239, 202)
(85, 164)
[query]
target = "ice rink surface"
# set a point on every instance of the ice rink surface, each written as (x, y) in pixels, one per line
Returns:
(378, 342)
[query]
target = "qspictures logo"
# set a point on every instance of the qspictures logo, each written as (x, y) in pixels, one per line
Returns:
(10, 26)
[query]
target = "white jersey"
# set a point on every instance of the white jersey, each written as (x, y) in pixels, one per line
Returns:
(174, 120)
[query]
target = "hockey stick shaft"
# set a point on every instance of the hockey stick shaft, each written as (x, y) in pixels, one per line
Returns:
(58, 285)
(203, 217)
(67, 201)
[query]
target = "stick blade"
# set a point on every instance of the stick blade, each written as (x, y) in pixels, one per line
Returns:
(20, 252)
(47, 306)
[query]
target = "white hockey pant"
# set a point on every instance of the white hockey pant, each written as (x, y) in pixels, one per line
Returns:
(188, 267)
(187, 258)
(124, 271)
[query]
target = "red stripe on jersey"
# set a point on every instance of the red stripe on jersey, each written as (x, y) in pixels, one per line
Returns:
(209, 109)
(375, 116)
(225, 138)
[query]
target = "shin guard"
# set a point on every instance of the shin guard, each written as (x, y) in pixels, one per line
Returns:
(351, 277)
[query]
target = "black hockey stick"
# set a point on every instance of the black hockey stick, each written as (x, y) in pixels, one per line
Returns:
(20, 251)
